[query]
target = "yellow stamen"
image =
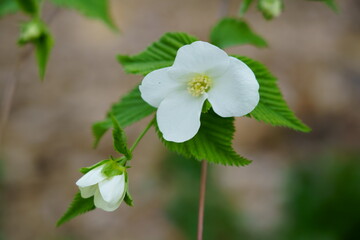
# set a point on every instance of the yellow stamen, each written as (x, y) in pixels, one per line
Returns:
(198, 85)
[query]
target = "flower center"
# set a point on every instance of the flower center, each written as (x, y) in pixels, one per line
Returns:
(198, 85)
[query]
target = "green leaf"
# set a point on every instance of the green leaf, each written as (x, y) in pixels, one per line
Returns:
(160, 54)
(213, 142)
(272, 107)
(8, 7)
(231, 32)
(245, 4)
(43, 48)
(120, 141)
(78, 206)
(96, 9)
(331, 4)
(130, 109)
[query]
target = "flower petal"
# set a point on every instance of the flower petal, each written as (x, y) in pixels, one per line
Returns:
(236, 92)
(92, 177)
(157, 85)
(178, 116)
(200, 57)
(87, 192)
(112, 189)
(100, 203)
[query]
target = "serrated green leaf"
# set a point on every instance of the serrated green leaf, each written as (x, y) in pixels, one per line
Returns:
(130, 109)
(78, 206)
(245, 4)
(230, 32)
(85, 170)
(97, 9)
(120, 140)
(213, 142)
(31, 7)
(8, 7)
(272, 107)
(43, 46)
(330, 3)
(160, 54)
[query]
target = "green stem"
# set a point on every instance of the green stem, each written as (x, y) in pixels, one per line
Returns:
(142, 134)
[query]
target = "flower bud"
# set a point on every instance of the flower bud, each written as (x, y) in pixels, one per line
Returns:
(270, 8)
(30, 31)
(107, 183)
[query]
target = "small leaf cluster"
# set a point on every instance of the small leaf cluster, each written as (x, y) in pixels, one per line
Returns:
(36, 32)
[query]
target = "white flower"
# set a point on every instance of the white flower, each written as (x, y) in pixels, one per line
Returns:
(201, 71)
(108, 192)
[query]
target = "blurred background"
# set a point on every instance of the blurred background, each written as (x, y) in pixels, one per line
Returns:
(299, 186)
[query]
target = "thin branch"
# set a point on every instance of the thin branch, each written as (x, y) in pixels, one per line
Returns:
(202, 199)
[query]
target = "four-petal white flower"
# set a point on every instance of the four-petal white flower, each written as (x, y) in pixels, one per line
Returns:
(108, 192)
(200, 71)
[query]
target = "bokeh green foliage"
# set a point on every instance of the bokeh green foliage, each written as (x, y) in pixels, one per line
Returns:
(221, 219)
(323, 196)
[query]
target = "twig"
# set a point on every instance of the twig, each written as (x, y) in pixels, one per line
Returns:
(202, 199)
(10, 85)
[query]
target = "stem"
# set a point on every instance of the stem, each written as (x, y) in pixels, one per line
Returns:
(9, 90)
(142, 134)
(223, 10)
(202, 200)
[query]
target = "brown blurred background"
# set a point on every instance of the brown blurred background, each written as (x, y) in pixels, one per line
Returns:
(314, 52)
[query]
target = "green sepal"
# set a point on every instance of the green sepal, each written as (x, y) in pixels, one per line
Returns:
(230, 32)
(206, 107)
(120, 140)
(128, 199)
(77, 207)
(43, 48)
(112, 169)
(213, 142)
(85, 170)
